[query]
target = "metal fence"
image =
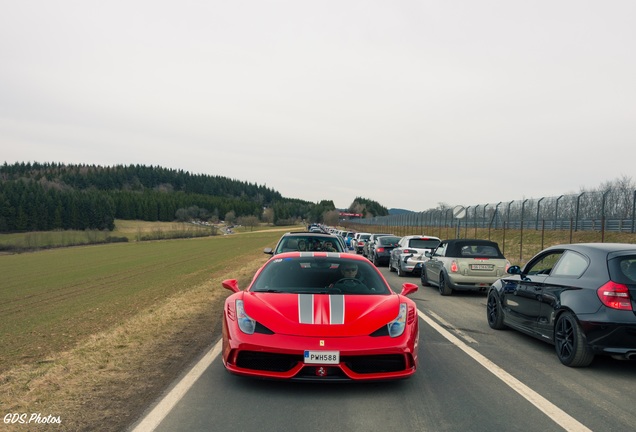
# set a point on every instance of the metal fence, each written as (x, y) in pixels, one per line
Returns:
(611, 210)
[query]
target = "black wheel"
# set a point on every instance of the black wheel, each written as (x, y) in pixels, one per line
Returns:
(494, 313)
(569, 341)
(391, 269)
(423, 277)
(375, 261)
(400, 272)
(444, 289)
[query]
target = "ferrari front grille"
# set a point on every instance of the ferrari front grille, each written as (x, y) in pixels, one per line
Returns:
(375, 364)
(267, 361)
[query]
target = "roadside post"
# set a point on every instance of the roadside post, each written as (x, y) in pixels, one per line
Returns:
(459, 213)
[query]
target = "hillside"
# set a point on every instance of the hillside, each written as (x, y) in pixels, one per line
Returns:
(55, 196)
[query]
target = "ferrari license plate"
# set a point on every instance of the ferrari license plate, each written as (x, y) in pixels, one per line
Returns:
(481, 266)
(322, 357)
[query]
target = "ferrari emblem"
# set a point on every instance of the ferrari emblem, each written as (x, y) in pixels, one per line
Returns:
(321, 371)
(322, 343)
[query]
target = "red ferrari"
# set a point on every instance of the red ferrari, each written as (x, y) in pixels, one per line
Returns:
(320, 316)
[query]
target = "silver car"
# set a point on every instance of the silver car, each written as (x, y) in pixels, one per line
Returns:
(464, 265)
(358, 241)
(409, 256)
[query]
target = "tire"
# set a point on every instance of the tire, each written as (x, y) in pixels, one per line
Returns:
(400, 272)
(569, 342)
(444, 289)
(391, 269)
(375, 261)
(423, 277)
(494, 312)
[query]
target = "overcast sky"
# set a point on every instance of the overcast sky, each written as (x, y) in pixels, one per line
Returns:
(408, 103)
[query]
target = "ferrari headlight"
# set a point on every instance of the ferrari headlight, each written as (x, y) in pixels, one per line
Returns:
(396, 327)
(246, 324)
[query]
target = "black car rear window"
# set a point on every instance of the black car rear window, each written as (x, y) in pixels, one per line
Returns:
(479, 251)
(472, 249)
(384, 241)
(623, 269)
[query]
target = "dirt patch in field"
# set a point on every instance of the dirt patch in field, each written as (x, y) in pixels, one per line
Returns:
(106, 383)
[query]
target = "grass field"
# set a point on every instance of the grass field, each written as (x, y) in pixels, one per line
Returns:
(124, 230)
(51, 299)
(94, 333)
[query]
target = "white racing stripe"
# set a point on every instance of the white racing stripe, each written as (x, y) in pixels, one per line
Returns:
(557, 415)
(336, 309)
(306, 308)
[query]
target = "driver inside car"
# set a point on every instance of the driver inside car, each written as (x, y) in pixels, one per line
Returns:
(349, 270)
(348, 276)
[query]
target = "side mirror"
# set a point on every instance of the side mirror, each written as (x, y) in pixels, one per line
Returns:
(428, 254)
(515, 270)
(408, 288)
(268, 251)
(231, 284)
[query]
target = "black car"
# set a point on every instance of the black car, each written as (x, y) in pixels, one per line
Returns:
(381, 251)
(579, 297)
(370, 244)
(304, 241)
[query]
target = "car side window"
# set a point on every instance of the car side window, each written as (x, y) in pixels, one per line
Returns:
(441, 250)
(545, 264)
(571, 264)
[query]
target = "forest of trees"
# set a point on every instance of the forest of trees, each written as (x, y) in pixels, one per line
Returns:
(51, 196)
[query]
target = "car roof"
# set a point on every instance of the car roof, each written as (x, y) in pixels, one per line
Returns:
(471, 242)
(341, 255)
(421, 236)
(308, 234)
(600, 247)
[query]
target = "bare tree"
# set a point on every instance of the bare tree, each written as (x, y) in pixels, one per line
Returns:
(268, 215)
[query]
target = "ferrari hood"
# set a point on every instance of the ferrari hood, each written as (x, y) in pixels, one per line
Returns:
(321, 314)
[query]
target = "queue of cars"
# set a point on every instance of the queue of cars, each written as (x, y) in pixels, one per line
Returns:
(579, 297)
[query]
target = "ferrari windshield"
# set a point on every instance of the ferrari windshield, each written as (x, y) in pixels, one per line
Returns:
(315, 275)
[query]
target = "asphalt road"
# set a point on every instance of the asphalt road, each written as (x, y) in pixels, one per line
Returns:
(470, 378)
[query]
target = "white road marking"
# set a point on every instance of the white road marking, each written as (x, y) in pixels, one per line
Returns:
(559, 416)
(163, 408)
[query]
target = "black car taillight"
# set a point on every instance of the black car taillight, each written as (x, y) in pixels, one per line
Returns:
(615, 296)
(380, 249)
(409, 251)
